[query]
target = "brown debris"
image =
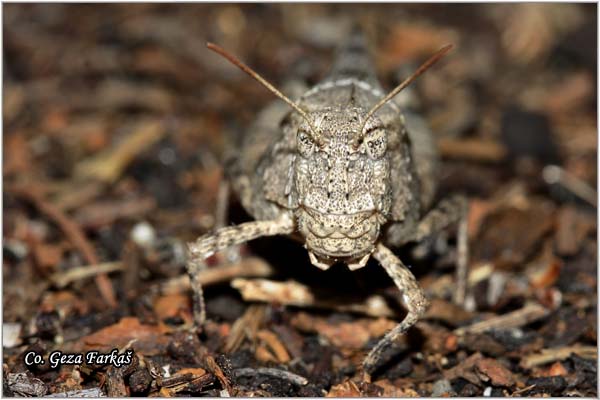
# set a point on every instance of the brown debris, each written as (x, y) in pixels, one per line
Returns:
(116, 129)
(556, 369)
(498, 374)
(248, 267)
(115, 383)
(448, 312)
(465, 370)
(217, 371)
(47, 256)
(246, 326)
(509, 236)
(62, 279)
(573, 227)
(523, 316)
(277, 373)
(108, 165)
(175, 305)
(295, 294)
(24, 384)
(98, 214)
(395, 390)
(184, 379)
(73, 232)
(345, 389)
(560, 353)
(149, 339)
(275, 345)
(352, 335)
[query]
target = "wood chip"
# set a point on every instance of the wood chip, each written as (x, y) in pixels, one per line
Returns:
(296, 294)
(498, 374)
(245, 326)
(115, 383)
(93, 392)
(175, 305)
(150, 339)
(573, 227)
(345, 389)
(556, 354)
(465, 370)
(530, 313)
(110, 164)
(247, 267)
(275, 345)
(351, 335)
(25, 385)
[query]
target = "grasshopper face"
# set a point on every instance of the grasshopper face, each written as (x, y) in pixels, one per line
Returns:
(342, 186)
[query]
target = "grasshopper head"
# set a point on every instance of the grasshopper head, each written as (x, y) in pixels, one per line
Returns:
(343, 188)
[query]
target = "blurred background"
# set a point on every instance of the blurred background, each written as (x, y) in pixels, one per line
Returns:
(116, 118)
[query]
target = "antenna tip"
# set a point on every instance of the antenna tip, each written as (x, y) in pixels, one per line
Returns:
(447, 48)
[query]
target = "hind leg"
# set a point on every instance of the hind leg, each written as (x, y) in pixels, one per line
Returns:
(413, 297)
(449, 211)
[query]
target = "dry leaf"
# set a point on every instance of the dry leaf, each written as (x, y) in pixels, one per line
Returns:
(150, 339)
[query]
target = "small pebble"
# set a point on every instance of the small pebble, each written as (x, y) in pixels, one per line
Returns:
(11, 333)
(143, 234)
(441, 388)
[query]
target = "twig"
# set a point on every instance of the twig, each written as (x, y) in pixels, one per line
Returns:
(216, 370)
(273, 343)
(62, 279)
(249, 267)
(73, 232)
(246, 325)
(522, 390)
(274, 372)
(560, 353)
(555, 174)
(295, 294)
(108, 165)
(102, 213)
(523, 316)
(75, 194)
(93, 392)
(183, 382)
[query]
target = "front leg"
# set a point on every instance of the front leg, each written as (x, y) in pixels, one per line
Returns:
(207, 245)
(413, 298)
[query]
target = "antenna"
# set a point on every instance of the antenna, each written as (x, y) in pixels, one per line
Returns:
(424, 67)
(219, 50)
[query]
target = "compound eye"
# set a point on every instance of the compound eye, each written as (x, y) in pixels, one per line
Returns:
(305, 144)
(376, 145)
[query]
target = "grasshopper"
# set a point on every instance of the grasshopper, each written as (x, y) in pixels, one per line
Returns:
(346, 172)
